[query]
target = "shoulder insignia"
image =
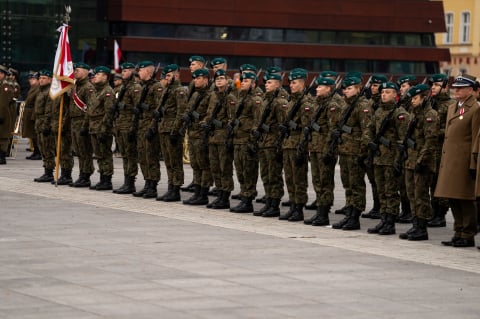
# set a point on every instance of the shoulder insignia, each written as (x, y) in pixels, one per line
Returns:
(365, 110)
(108, 94)
(6, 89)
(429, 119)
(258, 102)
(182, 92)
(259, 94)
(332, 109)
(401, 117)
(285, 106)
(232, 102)
(91, 90)
(159, 89)
(307, 108)
(136, 90)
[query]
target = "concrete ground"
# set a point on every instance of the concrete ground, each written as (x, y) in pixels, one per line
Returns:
(83, 254)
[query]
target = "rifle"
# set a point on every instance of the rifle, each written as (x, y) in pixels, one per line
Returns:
(118, 104)
(403, 147)
(342, 126)
(138, 110)
(213, 123)
(374, 145)
(234, 123)
(158, 113)
(191, 115)
(307, 131)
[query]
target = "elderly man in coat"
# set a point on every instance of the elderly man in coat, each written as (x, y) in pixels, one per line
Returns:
(458, 167)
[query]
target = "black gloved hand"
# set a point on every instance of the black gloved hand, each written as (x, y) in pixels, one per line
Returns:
(283, 128)
(362, 159)
(421, 169)
(131, 136)
(299, 160)
(307, 130)
(150, 134)
(137, 110)
(336, 134)
(397, 170)
(46, 131)
(328, 159)
(473, 173)
(174, 138)
(102, 138)
(83, 131)
(157, 115)
(256, 134)
(373, 146)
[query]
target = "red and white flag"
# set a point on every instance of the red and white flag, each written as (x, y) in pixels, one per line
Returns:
(117, 56)
(63, 78)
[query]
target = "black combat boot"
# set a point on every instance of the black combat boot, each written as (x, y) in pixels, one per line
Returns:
(419, 233)
(261, 200)
(274, 210)
(196, 194)
(410, 230)
(341, 223)
(374, 213)
(94, 187)
(341, 211)
(268, 203)
(151, 192)
(236, 196)
(245, 206)
(224, 201)
(297, 214)
(312, 205)
(216, 200)
(322, 216)
(405, 216)
(389, 226)
(65, 177)
(82, 181)
(3, 160)
(121, 188)
(202, 199)
(174, 195)
(35, 156)
(213, 191)
(106, 184)
(129, 186)
(142, 191)
(46, 177)
(286, 203)
(289, 213)
(375, 229)
(438, 219)
(309, 221)
(189, 188)
(353, 223)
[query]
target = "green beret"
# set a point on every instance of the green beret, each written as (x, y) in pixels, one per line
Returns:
(406, 78)
(248, 67)
(45, 73)
(272, 76)
(81, 65)
(440, 77)
(144, 64)
(220, 72)
(248, 75)
(273, 69)
(354, 74)
(101, 69)
(32, 75)
(127, 65)
(417, 89)
(389, 85)
(3, 69)
(200, 72)
(379, 78)
(196, 58)
(349, 81)
(324, 81)
(170, 68)
(326, 74)
(298, 73)
(217, 61)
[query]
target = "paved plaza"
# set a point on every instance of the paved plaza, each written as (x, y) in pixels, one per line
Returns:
(82, 254)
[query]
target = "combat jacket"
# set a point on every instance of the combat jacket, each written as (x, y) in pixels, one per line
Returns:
(100, 114)
(42, 109)
(321, 132)
(55, 114)
(251, 102)
(302, 118)
(424, 138)
(224, 115)
(277, 105)
(354, 143)
(202, 97)
(28, 129)
(7, 93)
(174, 98)
(150, 104)
(441, 106)
(125, 107)
(86, 93)
(396, 127)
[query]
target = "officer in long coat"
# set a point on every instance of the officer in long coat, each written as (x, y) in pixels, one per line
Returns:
(456, 179)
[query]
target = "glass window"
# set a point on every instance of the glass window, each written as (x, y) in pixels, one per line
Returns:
(465, 28)
(448, 37)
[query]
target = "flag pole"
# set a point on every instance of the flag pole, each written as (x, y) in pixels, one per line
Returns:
(68, 10)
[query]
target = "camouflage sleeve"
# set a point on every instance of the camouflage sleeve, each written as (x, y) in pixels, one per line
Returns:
(232, 104)
(365, 124)
(402, 118)
(307, 109)
(109, 103)
(430, 131)
(280, 107)
(181, 101)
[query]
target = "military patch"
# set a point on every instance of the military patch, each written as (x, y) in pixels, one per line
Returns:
(365, 111)
(182, 93)
(284, 106)
(232, 102)
(136, 90)
(108, 94)
(259, 94)
(90, 90)
(307, 108)
(429, 120)
(159, 89)
(401, 117)
(332, 109)
(258, 102)
(6, 89)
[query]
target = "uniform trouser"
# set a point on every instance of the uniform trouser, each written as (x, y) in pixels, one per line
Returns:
(128, 150)
(465, 218)
(46, 145)
(271, 172)
(371, 179)
(172, 155)
(83, 147)
(246, 167)
(402, 188)
(103, 153)
(148, 155)
(66, 158)
(387, 187)
(353, 180)
(4, 145)
(441, 201)
(323, 179)
(295, 177)
(418, 195)
(198, 152)
(221, 166)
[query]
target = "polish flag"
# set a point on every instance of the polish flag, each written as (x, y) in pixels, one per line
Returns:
(117, 56)
(63, 78)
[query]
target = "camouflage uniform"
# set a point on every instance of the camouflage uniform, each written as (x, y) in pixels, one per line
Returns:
(28, 126)
(80, 139)
(46, 140)
(172, 110)
(6, 124)
(99, 124)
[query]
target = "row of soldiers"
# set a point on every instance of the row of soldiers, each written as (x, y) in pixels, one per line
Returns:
(391, 132)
